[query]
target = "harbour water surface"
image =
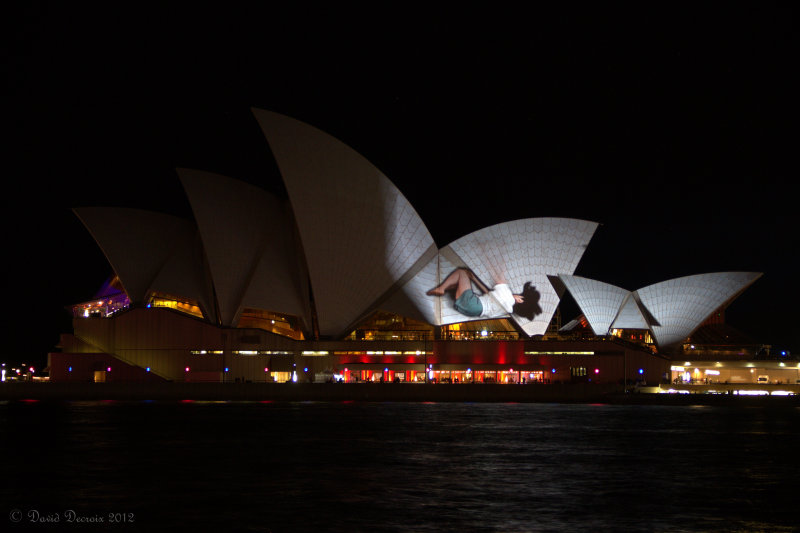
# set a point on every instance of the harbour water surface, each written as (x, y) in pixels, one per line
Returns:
(360, 466)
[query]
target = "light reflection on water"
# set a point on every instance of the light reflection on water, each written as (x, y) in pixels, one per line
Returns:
(239, 466)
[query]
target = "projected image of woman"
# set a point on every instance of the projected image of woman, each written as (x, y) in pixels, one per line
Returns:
(493, 303)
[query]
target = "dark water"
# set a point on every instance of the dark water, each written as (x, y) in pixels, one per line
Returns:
(398, 467)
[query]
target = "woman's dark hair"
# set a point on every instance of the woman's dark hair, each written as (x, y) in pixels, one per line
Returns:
(529, 308)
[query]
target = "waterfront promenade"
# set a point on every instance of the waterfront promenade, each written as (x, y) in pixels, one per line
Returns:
(386, 392)
(391, 392)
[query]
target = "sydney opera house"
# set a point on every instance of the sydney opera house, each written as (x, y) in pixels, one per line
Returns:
(342, 281)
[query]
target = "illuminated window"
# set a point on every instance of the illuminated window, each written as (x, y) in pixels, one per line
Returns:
(285, 325)
(105, 307)
(184, 305)
(388, 326)
(495, 329)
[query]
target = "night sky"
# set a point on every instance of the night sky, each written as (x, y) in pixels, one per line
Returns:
(671, 128)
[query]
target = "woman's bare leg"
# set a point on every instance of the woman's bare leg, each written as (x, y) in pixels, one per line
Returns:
(483, 288)
(459, 278)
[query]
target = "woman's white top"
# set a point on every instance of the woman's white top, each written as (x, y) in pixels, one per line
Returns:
(497, 302)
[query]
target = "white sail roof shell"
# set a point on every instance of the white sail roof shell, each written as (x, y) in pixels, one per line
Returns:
(137, 243)
(679, 306)
(247, 236)
(360, 235)
(672, 310)
(351, 232)
(410, 299)
(519, 251)
(599, 302)
(630, 315)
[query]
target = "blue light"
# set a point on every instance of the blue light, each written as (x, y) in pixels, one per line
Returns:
(226, 369)
(554, 371)
(69, 369)
(305, 369)
(147, 369)
(641, 371)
